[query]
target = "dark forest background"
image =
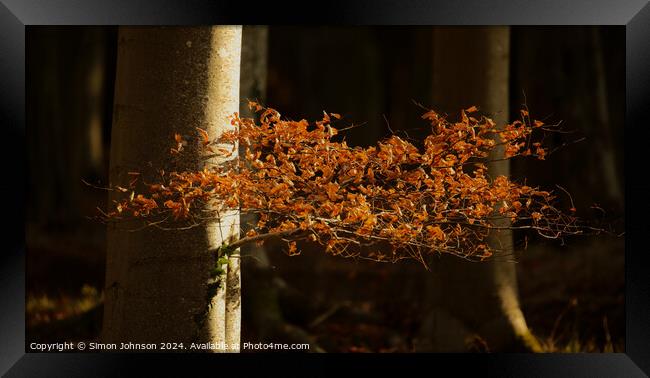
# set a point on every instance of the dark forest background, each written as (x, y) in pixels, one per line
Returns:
(571, 293)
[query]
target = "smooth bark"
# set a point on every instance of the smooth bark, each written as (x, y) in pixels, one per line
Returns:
(171, 80)
(471, 67)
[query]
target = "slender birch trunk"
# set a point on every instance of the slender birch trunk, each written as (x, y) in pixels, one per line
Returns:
(171, 80)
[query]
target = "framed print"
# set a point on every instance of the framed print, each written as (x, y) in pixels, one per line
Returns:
(360, 185)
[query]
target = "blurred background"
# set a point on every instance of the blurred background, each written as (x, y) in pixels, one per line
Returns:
(572, 294)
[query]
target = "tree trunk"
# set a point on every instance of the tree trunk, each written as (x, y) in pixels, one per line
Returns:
(171, 80)
(65, 84)
(260, 295)
(474, 299)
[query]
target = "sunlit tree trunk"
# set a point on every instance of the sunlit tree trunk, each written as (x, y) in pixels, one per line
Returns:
(502, 269)
(171, 80)
(471, 67)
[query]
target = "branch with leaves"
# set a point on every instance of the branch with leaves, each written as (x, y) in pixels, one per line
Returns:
(386, 202)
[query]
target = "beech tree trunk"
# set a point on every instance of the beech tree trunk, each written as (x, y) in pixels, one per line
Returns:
(471, 67)
(261, 285)
(260, 294)
(171, 80)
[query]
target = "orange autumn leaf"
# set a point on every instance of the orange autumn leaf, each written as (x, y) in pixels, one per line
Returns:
(205, 137)
(435, 232)
(293, 249)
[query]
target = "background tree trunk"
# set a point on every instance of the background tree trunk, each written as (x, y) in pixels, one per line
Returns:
(170, 80)
(66, 102)
(469, 299)
(260, 296)
(262, 310)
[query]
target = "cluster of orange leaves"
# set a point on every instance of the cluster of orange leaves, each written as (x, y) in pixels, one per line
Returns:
(386, 202)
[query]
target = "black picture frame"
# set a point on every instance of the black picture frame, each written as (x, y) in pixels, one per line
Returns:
(16, 15)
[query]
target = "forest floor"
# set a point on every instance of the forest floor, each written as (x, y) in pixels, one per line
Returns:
(573, 300)
(573, 297)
